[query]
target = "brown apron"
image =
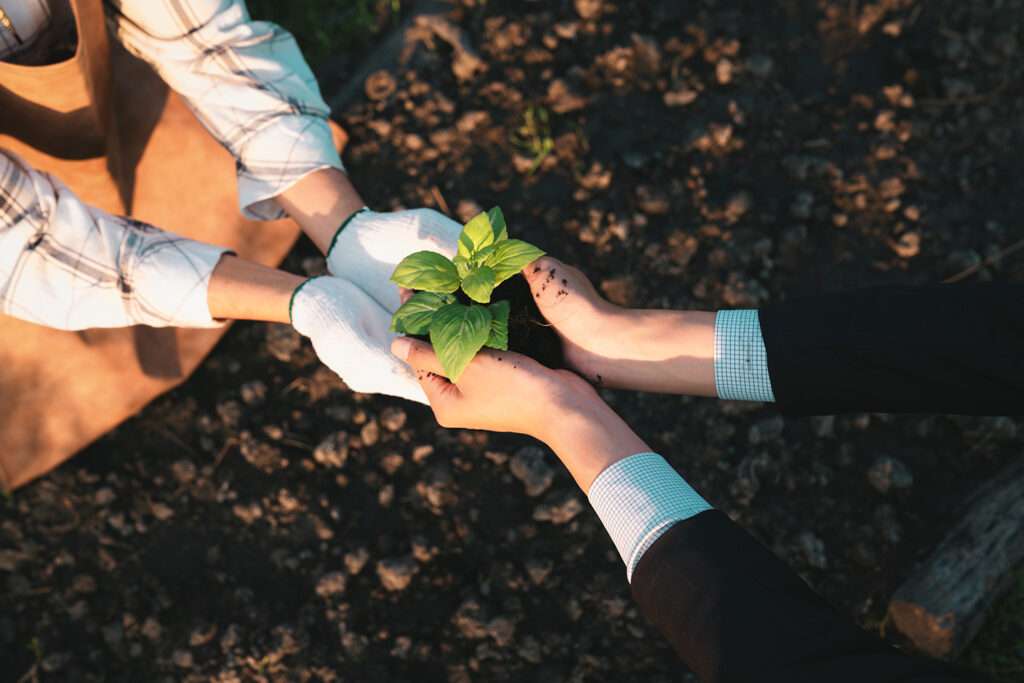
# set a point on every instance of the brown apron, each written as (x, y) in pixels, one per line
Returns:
(107, 126)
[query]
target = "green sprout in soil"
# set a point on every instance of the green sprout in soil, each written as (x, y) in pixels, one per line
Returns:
(486, 258)
(533, 137)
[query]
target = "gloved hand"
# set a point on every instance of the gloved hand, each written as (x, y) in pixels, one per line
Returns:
(369, 246)
(349, 331)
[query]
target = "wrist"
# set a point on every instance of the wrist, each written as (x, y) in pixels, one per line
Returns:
(588, 437)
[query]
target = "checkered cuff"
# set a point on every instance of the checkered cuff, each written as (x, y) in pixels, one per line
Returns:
(278, 157)
(741, 360)
(638, 499)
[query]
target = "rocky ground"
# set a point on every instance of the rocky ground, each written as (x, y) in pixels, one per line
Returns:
(263, 523)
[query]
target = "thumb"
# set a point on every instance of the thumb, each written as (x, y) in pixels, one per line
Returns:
(421, 357)
(555, 284)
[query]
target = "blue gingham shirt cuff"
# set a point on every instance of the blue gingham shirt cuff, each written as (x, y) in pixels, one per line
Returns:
(741, 360)
(638, 499)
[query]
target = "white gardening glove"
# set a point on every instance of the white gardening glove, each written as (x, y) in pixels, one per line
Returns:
(370, 245)
(349, 331)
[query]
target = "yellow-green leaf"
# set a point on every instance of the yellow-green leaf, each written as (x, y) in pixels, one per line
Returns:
(510, 257)
(476, 235)
(416, 314)
(479, 284)
(426, 271)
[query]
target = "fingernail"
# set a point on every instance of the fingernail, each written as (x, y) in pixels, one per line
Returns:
(401, 347)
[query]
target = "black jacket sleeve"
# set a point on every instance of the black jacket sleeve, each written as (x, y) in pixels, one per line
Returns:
(735, 613)
(941, 349)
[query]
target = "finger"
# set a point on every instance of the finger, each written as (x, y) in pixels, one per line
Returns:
(417, 354)
(404, 294)
(552, 283)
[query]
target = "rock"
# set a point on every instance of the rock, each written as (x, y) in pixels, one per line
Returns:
(282, 341)
(889, 473)
(813, 550)
(201, 635)
(380, 85)
(392, 418)
(330, 584)
(182, 659)
(333, 450)
(680, 98)
(529, 466)
(184, 471)
(253, 393)
(260, 454)
(646, 53)
(589, 9)
(502, 630)
(724, 71)
(105, 496)
(151, 629)
(391, 463)
(766, 430)
(682, 247)
(563, 97)
(470, 620)
(652, 201)
(560, 508)
(539, 570)
(396, 573)
(355, 560)
(370, 433)
(437, 488)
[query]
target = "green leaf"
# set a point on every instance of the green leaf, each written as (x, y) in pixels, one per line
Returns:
(499, 325)
(416, 314)
(461, 266)
(480, 257)
(426, 271)
(457, 334)
(476, 235)
(479, 284)
(498, 225)
(510, 257)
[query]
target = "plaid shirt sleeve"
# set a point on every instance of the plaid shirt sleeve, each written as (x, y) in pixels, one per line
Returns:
(67, 265)
(245, 80)
(638, 499)
(741, 360)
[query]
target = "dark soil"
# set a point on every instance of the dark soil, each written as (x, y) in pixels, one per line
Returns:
(264, 523)
(528, 332)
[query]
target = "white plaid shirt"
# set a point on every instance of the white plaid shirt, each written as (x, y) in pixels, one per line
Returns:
(640, 497)
(67, 265)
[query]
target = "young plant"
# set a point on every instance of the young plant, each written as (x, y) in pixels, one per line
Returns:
(486, 258)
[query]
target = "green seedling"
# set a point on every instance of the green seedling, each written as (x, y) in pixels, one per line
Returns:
(486, 258)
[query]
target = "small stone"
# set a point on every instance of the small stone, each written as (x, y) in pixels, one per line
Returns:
(105, 496)
(248, 513)
(151, 629)
(437, 488)
(356, 560)
(201, 635)
(333, 450)
(392, 418)
(724, 71)
(680, 98)
(330, 584)
(766, 430)
(184, 471)
(396, 573)
(380, 85)
(253, 393)
(529, 466)
(908, 245)
(539, 570)
(560, 508)
(182, 659)
(370, 433)
(161, 511)
(652, 200)
(391, 463)
(889, 473)
(470, 620)
(260, 454)
(563, 98)
(813, 550)
(502, 630)
(589, 9)
(282, 341)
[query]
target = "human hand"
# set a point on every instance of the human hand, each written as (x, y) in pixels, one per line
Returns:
(367, 249)
(508, 392)
(612, 346)
(350, 335)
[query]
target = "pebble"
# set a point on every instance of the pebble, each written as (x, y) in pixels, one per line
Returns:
(680, 98)
(529, 466)
(330, 584)
(356, 559)
(560, 508)
(184, 471)
(253, 393)
(392, 418)
(105, 496)
(396, 573)
(161, 511)
(766, 430)
(588, 9)
(370, 433)
(182, 659)
(563, 98)
(282, 341)
(502, 630)
(539, 570)
(333, 450)
(380, 85)
(888, 473)
(469, 619)
(813, 550)
(152, 629)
